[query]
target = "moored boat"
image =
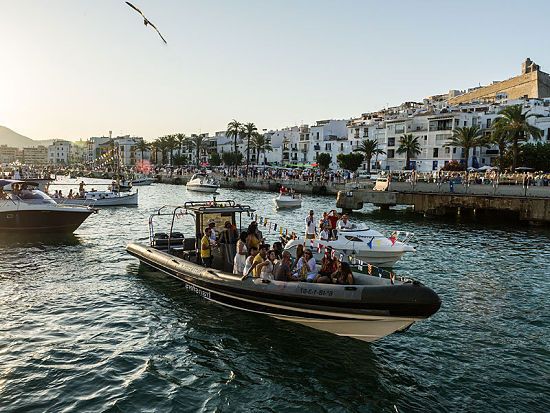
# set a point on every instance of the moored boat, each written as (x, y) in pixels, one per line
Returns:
(202, 183)
(24, 209)
(370, 309)
(288, 200)
(102, 199)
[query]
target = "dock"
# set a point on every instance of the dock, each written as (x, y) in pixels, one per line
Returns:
(526, 203)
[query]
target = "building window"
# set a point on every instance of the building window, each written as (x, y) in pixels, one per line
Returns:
(436, 152)
(391, 153)
(488, 123)
(454, 150)
(391, 141)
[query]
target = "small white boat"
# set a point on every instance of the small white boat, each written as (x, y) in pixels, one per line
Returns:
(102, 198)
(364, 244)
(286, 200)
(142, 180)
(202, 183)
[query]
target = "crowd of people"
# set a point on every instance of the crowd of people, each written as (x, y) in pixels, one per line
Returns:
(254, 258)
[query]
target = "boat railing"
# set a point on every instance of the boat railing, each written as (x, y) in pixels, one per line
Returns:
(401, 236)
(176, 213)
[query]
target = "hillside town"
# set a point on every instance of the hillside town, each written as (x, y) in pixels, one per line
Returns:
(423, 136)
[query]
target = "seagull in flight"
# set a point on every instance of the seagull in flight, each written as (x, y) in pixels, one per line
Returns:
(145, 20)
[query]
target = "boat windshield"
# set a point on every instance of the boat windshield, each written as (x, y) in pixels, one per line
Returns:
(32, 196)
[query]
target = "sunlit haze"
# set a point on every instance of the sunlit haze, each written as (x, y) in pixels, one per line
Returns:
(73, 69)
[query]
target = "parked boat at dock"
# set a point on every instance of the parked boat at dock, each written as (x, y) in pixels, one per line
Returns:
(102, 199)
(370, 309)
(25, 209)
(202, 183)
(288, 200)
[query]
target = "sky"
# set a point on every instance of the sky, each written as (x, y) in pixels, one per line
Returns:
(72, 69)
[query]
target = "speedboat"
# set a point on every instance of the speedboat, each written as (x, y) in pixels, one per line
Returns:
(287, 200)
(102, 199)
(142, 180)
(362, 243)
(202, 183)
(368, 310)
(26, 209)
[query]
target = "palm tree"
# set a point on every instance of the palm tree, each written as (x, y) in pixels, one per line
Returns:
(409, 145)
(466, 138)
(248, 131)
(199, 143)
(499, 138)
(171, 145)
(234, 130)
(161, 145)
(261, 145)
(180, 138)
(141, 146)
(369, 148)
(514, 123)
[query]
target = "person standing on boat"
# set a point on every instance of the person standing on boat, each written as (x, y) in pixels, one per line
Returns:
(311, 228)
(333, 218)
(249, 261)
(206, 248)
(81, 189)
(212, 225)
(240, 257)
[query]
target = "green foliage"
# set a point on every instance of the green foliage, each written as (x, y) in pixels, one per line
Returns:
(409, 145)
(369, 148)
(536, 156)
(454, 166)
(466, 138)
(179, 160)
(351, 161)
(232, 158)
(324, 159)
(215, 159)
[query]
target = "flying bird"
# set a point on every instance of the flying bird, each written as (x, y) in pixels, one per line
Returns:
(145, 20)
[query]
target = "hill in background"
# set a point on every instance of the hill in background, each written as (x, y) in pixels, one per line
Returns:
(14, 139)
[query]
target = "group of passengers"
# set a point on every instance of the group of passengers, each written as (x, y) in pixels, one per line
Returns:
(327, 227)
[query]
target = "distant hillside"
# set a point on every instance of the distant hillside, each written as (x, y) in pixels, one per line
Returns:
(11, 138)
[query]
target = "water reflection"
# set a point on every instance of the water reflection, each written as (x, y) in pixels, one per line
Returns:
(25, 240)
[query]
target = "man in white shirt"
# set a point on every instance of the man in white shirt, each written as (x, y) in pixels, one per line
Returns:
(211, 225)
(343, 223)
(325, 233)
(311, 226)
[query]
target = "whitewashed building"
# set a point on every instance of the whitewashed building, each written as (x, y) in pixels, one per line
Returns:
(59, 152)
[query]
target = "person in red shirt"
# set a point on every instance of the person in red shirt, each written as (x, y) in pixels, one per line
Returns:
(333, 218)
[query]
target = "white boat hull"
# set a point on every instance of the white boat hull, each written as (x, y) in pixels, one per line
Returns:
(122, 200)
(203, 188)
(287, 202)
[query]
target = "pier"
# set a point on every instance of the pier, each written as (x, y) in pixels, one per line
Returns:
(529, 204)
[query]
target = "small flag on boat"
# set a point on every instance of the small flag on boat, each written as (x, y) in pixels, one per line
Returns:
(275, 227)
(370, 243)
(369, 269)
(333, 254)
(319, 246)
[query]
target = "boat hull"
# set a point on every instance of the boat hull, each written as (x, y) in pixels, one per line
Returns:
(202, 188)
(346, 311)
(287, 203)
(60, 221)
(122, 200)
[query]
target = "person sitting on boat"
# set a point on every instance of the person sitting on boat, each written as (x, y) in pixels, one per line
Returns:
(306, 267)
(265, 268)
(333, 218)
(206, 248)
(344, 223)
(258, 259)
(3, 194)
(281, 271)
(324, 235)
(70, 196)
(249, 261)
(252, 239)
(239, 261)
(299, 254)
(343, 275)
(282, 191)
(278, 248)
(328, 266)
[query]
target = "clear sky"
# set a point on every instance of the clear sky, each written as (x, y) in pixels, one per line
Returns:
(77, 68)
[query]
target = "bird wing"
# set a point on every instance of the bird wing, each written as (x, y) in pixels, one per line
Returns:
(155, 27)
(135, 8)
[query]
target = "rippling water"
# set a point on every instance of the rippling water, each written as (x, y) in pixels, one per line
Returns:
(84, 328)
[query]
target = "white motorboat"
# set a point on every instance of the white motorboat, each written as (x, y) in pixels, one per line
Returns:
(24, 209)
(202, 183)
(286, 200)
(102, 199)
(142, 180)
(370, 309)
(363, 244)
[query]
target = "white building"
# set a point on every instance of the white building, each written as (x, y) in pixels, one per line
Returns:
(59, 152)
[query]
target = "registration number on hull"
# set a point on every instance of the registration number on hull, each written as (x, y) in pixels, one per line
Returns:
(197, 290)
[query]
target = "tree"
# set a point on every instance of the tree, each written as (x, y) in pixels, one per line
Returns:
(199, 143)
(142, 146)
(180, 138)
(259, 142)
(536, 156)
(369, 148)
(161, 144)
(466, 138)
(215, 159)
(351, 161)
(248, 132)
(324, 159)
(499, 137)
(514, 123)
(232, 158)
(234, 130)
(171, 145)
(409, 145)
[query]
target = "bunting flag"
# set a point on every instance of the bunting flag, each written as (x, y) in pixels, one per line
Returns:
(311, 243)
(256, 217)
(369, 269)
(392, 239)
(275, 227)
(369, 244)
(286, 232)
(333, 254)
(319, 247)
(280, 231)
